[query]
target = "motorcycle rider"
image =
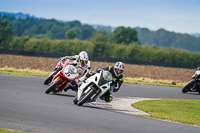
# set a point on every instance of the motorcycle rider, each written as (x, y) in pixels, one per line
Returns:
(82, 63)
(82, 59)
(117, 79)
(197, 69)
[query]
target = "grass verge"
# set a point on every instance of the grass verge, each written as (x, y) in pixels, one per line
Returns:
(25, 72)
(147, 81)
(9, 131)
(32, 72)
(176, 110)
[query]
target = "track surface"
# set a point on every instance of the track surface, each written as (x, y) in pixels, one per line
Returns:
(25, 106)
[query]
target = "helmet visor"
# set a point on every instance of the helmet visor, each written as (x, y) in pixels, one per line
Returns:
(118, 71)
(83, 63)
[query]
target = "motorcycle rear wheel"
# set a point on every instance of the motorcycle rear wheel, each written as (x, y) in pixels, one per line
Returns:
(187, 87)
(53, 86)
(48, 80)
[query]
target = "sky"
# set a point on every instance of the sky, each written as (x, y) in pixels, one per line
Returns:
(181, 16)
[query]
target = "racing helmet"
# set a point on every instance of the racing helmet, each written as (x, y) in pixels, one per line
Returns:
(198, 68)
(118, 68)
(83, 58)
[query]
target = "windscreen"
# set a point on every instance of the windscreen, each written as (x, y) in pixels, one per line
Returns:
(107, 75)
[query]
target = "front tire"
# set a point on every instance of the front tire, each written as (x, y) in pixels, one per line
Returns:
(188, 86)
(48, 80)
(53, 86)
(85, 97)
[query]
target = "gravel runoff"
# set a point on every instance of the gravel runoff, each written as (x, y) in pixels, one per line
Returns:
(122, 105)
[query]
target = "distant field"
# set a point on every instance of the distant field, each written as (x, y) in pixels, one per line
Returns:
(144, 72)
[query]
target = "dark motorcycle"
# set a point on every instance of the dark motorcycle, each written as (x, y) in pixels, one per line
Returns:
(194, 84)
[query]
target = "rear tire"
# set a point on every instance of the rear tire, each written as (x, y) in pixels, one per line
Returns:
(48, 80)
(187, 87)
(53, 86)
(85, 97)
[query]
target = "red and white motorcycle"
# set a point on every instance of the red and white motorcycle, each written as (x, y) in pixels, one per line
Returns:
(58, 67)
(64, 79)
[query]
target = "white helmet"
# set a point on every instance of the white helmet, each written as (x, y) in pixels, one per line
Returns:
(83, 58)
(118, 68)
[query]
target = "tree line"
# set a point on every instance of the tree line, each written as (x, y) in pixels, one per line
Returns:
(121, 44)
(98, 48)
(54, 29)
(42, 28)
(163, 38)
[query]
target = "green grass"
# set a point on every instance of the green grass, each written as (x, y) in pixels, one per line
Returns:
(26, 73)
(9, 131)
(177, 110)
(155, 82)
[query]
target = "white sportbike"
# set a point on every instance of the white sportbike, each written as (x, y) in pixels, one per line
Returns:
(93, 88)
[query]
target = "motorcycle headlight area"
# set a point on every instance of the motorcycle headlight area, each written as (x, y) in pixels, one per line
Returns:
(70, 70)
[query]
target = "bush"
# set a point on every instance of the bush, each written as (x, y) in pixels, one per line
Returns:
(149, 54)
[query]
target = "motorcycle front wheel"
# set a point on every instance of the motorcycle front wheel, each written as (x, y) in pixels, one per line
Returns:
(48, 80)
(53, 86)
(84, 98)
(188, 86)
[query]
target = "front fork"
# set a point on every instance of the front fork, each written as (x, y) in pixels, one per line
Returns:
(195, 85)
(60, 86)
(81, 88)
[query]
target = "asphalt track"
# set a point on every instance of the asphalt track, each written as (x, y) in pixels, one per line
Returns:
(24, 106)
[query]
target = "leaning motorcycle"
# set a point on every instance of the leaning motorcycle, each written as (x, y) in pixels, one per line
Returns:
(194, 84)
(58, 67)
(93, 88)
(64, 79)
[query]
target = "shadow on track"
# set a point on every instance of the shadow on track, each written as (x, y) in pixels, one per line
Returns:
(192, 93)
(107, 107)
(64, 95)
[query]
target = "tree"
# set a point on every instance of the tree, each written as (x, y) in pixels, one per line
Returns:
(125, 35)
(18, 42)
(5, 33)
(87, 32)
(99, 40)
(71, 34)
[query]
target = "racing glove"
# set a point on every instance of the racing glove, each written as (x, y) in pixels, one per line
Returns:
(112, 88)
